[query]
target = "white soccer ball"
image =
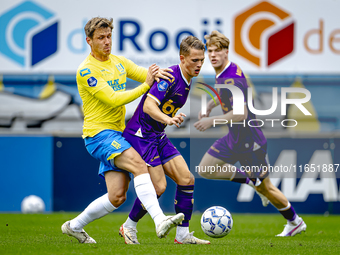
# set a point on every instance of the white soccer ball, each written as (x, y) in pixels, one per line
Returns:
(32, 204)
(216, 222)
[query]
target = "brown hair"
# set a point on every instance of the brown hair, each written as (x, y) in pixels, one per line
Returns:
(96, 23)
(189, 43)
(218, 39)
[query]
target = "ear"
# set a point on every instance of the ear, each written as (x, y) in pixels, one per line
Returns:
(181, 57)
(89, 41)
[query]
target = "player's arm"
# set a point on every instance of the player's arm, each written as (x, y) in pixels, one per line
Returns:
(139, 73)
(211, 104)
(151, 107)
(205, 123)
(116, 99)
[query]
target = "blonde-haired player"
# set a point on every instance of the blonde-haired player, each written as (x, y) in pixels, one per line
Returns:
(244, 144)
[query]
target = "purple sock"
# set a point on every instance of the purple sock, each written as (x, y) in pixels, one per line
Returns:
(240, 177)
(289, 214)
(184, 202)
(138, 211)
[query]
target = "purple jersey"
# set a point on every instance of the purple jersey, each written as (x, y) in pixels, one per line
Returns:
(240, 137)
(170, 97)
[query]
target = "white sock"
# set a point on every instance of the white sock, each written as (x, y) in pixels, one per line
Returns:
(97, 209)
(147, 195)
(181, 233)
(130, 223)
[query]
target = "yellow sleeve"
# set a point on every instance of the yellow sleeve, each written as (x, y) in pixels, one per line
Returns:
(115, 99)
(99, 88)
(134, 71)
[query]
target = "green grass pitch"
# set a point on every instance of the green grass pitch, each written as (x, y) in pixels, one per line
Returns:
(251, 234)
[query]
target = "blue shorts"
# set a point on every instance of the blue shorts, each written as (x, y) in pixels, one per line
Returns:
(106, 146)
(155, 151)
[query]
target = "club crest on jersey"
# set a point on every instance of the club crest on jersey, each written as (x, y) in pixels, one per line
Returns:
(84, 72)
(120, 68)
(92, 82)
(162, 86)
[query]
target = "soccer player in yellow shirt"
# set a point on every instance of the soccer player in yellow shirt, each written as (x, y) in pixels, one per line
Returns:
(101, 80)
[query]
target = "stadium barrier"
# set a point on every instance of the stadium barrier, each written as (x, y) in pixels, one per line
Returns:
(64, 175)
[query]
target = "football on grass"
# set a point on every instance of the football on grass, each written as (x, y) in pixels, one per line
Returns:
(216, 222)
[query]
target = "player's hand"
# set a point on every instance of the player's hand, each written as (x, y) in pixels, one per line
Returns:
(150, 77)
(177, 120)
(164, 73)
(200, 115)
(204, 124)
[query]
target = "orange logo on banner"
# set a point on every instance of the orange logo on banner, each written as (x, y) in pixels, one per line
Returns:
(264, 34)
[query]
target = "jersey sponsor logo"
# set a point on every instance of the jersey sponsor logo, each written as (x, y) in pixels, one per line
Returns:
(162, 86)
(116, 144)
(92, 82)
(84, 72)
(120, 68)
(116, 86)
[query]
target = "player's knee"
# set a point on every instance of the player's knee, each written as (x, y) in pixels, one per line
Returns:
(191, 180)
(139, 166)
(160, 188)
(117, 199)
(186, 181)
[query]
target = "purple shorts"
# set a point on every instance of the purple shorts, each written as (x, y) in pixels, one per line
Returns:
(154, 151)
(257, 157)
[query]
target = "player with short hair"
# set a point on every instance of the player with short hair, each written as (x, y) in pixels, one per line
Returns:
(246, 144)
(145, 132)
(101, 80)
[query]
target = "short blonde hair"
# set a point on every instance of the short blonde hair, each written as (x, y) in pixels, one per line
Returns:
(188, 43)
(218, 39)
(96, 23)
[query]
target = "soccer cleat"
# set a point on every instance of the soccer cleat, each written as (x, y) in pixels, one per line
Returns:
(82, 236)
(292, 229)
(190, 239)
(129, 234)
(166, 225)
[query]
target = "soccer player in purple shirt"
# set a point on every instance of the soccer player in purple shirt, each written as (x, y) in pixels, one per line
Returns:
(145, 132)
(244, 144)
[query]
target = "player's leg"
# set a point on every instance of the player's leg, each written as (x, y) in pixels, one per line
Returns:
(218, 163)
(117, 185)
(177, 169)
(131, 161)
(138, 211)
(115, 153)
(212, 167)
(295, 224)
(128, 230)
